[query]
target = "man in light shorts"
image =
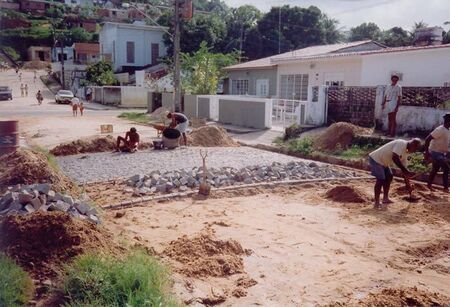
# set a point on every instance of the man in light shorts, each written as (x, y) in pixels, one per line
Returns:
(437, 147)
(395, 152)
(391, 103)
(179, 122)
(75, 103)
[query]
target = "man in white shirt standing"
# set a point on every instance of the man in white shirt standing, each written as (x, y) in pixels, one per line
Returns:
(381, 160)
(391, 103)
(437, 147)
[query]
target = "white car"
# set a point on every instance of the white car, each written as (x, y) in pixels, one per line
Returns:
(63, 96)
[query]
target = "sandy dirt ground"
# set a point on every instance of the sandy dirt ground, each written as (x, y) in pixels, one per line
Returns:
(303, 249)
(51, 124)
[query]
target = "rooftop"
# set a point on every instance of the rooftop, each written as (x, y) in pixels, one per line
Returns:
(135, 26)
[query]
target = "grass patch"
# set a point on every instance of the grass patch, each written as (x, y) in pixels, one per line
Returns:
(16, 287)
(50, 158)
(355, 152)
(137, 280)
(303, 146)
(141, 118)
(416, 165)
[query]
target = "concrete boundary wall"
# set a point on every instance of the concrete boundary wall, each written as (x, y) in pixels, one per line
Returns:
(248, 112)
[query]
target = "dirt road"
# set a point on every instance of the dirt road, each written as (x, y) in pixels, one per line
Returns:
(50, 124)
(305, 249)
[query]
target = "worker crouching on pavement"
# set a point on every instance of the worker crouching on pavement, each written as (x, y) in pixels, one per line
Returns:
(130, 141)
(437, 147)
(179, 122)
(395, 152)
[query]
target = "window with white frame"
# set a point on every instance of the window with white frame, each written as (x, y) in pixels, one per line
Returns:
(294, 86)
(239, 87)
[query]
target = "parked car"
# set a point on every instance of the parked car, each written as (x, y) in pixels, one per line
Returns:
(5, 93)
(63, 96)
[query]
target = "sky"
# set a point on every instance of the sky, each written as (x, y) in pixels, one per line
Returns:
(385, 13)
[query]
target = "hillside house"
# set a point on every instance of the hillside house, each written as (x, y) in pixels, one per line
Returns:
(39, 53)
(131, 47)
(35, 7)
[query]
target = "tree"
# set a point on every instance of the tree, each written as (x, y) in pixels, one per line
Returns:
(396, 37)
(100, 73)
(330, 26)
(365, 31)
(202, 70)
(239, 22)
(208, 28)
(300, 27)
(80, 35)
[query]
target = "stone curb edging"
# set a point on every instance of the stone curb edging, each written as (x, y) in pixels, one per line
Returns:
(133, 202)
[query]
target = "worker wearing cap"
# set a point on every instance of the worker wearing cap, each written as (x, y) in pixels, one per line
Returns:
(437, 147)
(391, 103)
(381, 160)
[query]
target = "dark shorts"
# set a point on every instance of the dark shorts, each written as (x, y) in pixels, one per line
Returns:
(378, 170)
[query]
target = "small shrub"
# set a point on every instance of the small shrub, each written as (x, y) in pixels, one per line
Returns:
(292, 132)
(138, 280)
(16, 287)
(303, 146)
(12, 53)
(415, 163)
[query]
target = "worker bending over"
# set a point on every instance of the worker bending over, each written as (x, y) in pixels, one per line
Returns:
(179, 122)
(130, 141)
(381, 160)
(437, 147)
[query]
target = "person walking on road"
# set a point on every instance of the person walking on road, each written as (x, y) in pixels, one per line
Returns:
(81, 107)
(26, 90)
(391, 103)
(395, 152)
(39, 97)
(437, 147)
(22, 90)
(75, 103)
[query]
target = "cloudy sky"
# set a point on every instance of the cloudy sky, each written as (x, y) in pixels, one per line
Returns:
(385, 13)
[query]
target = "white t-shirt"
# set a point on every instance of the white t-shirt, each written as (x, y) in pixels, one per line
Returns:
(391, 94)
(441, 140)
(384, 154)
(75, 101)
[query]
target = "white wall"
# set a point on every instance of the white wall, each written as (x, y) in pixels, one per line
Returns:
(134, 97)
(349, 68)
(419, 68)
(142, 38)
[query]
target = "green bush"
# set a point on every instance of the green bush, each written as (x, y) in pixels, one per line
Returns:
(415, 163)
(16, 287)
(303, 146)
(356, 151)
(138, 280)
(12, 53)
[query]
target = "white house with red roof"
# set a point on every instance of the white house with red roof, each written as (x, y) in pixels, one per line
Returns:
(366, 63)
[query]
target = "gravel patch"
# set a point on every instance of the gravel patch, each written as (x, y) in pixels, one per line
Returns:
(107, 166)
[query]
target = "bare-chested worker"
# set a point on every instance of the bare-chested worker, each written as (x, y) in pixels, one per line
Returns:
(130, 141)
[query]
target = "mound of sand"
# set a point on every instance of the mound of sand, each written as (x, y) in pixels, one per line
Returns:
(346, 194)
(28, 167)
(429, 250)
(43, 242)
(400, 297)
(89, 145)
(210, 136)
(205, 255)
(338, 136)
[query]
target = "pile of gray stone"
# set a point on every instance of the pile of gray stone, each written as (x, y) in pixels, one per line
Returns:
(183, 180)
(25, 199)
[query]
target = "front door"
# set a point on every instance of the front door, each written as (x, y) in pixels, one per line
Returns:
(262, 87)
(155, 53)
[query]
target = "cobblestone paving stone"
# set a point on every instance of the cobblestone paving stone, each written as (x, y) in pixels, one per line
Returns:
(106, 166)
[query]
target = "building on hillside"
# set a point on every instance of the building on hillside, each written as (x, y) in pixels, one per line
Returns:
(9, 5)
(39, 53)
(131, 47)
(66, 53)
(259, 77)
(35, 7)
(355, 64)
(79, 2)
(86, 53)
(75, 21)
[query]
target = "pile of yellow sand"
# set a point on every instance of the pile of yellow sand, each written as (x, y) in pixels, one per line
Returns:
(338, 136)
(210, 136)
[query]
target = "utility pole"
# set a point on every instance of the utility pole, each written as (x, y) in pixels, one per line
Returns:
(63, 78)
(176, 59)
